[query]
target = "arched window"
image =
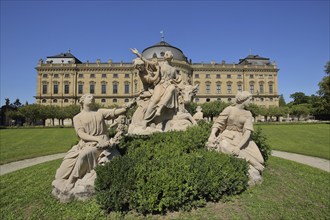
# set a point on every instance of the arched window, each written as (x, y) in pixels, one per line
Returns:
(126, 87)
(115, 87)
(44, 87)
(252, 88)
(261, 88)
(80, 88)
(207, 87)
(55, 88)
(103, 87)
(66, 100)
(218, 87)
(229, 88)
(270, 88)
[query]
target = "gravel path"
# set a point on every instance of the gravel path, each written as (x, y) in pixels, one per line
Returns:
(11, 167)
(319, 163)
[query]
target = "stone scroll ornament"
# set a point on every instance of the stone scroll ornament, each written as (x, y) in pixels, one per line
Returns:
(75, 177)
(231, 132)
(161, 102)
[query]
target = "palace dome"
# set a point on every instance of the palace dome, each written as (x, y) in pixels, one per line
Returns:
(158, 50)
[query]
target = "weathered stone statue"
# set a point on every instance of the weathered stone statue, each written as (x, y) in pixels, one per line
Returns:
(231, 135)
(162, 100)
(199, 114)
(75, 177)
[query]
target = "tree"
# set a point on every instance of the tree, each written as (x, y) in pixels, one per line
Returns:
(17, 103)
(299, 98)
(281, 101)
(264, 112)
(31, 113)
(212, 109)
(7, 101)
(323, 104)
(71, 111)
(254, 109)
(300, 110)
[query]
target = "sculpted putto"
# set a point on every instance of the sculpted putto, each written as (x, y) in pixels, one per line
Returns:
(231, 132)
(75, 177)
(160, 101)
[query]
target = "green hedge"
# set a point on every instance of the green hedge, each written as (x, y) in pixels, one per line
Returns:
(168, 171)
(261, 141)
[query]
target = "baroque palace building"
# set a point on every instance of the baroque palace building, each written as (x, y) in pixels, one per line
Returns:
(63, 79)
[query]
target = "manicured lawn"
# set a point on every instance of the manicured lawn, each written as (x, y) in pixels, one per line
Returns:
(289, 191)
(18, 144)
(307, 139)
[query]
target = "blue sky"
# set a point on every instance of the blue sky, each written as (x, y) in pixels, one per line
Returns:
(294, 34)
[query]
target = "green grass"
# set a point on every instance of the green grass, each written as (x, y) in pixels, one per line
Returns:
(306, 139)
(289, 191)
(18, 144)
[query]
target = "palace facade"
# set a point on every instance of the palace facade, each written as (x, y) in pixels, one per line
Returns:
(63, 79)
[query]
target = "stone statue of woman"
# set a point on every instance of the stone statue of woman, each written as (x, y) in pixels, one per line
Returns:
(75, 177)
(231, 133)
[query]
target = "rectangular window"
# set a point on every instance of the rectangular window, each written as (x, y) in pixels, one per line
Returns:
(229, 88)
(56, 75)
(261, 88)
(104, 75)
(45, 75)
(104, 89)
(218, 76)
(44, 89)
(270, 76)
(197, 76)
(92, 76)
(251, 89)
(66, 89)
(126, 75)
(115, 75)
(126, 88)
(91, 88)
(251, 76)
(239, 87)
(115, 89)
(208, 86)
(239, 76)
(81, 75)
(218, 88)
(56, 89)
(270, 88)
(261, 76)
(207, 76)
(135, 87)
(80, 89)
(67, 75)
(228, 76)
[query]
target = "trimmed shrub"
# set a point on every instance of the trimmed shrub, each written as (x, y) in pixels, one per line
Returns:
(168, 171)
(261, 141)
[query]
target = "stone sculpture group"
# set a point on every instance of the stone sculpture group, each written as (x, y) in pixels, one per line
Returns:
(161, 103)
(161, 108)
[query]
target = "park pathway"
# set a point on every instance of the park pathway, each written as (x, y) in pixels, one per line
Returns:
(319, 163)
